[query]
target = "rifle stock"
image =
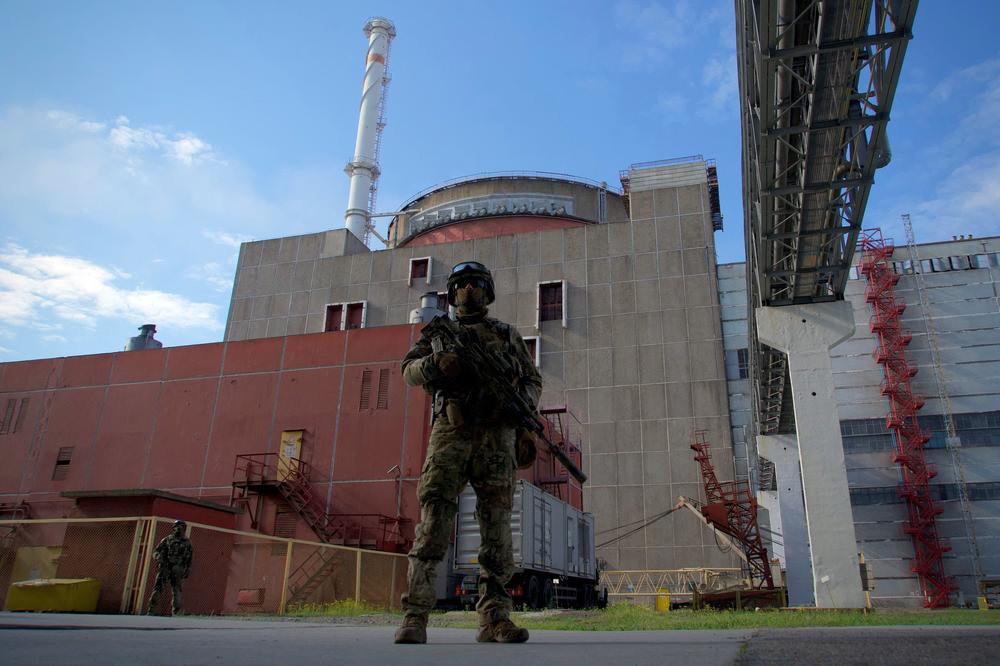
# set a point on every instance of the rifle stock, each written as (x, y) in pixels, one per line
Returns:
(492, 370)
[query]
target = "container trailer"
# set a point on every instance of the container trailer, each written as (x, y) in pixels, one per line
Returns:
(554, 553)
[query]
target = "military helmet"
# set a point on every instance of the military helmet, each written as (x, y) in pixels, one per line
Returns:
(180, 523)
(470, 269)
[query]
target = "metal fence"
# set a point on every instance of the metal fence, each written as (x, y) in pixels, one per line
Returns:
(232, 571)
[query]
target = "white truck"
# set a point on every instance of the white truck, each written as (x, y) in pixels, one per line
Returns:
(554, 552)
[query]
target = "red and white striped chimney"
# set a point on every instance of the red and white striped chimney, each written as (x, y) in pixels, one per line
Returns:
(363, 168)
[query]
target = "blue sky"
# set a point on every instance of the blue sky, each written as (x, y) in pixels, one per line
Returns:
(141, 142)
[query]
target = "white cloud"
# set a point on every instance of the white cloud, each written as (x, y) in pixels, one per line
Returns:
(214, 274)
(185, 147)
(36, 287)
(720, 78)
(962, 168)
(54, 338)
(225, 238)
(655, 28)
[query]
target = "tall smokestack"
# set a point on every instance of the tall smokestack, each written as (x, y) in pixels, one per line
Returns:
(363, 168)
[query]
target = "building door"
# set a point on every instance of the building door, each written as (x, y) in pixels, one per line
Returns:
(289, 453)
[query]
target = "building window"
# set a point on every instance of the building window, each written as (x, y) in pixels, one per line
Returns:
(382, 397)
(442, 302)
(366, 390)
(356, 313)
(743, 363)
(285, 521)
(551, 306)
(959, 263)
(979, 260)
(63, 458)
(334, 317)
(420, 268)
(534, 344)
(737, 364)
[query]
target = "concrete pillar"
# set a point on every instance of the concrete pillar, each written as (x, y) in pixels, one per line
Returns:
(783, 451)
(806, 333)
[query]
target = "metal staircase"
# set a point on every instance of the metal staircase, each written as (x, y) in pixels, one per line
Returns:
(731, 508)
(910, 438)
(258, 474)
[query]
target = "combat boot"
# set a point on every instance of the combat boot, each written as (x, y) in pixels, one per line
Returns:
(501, 631)
(413, 629)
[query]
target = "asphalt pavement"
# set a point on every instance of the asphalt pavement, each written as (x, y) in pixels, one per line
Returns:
(38, 639)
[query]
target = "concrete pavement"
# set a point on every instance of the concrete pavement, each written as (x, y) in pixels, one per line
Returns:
(64, 639)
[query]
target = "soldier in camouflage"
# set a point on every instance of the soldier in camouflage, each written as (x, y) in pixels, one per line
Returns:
(469, 443)
(173, 559)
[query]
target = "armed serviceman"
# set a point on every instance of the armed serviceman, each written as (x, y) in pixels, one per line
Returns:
(173, 558)
(473, 440)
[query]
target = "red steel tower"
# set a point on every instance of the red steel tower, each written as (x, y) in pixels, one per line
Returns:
(910, 438)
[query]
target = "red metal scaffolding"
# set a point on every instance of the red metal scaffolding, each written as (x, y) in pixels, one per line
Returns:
(732, 509)
(910, 438)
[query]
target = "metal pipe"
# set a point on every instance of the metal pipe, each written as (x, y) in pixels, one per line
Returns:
(363, 167)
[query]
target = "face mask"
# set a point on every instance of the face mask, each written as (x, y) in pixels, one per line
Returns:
(470, 299)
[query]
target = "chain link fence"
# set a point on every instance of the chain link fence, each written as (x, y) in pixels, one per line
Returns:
(231, 572)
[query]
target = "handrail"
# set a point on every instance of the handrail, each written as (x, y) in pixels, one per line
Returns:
(485, 175)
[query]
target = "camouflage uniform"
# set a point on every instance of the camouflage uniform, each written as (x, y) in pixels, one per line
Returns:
(469, 443)
(173, 556)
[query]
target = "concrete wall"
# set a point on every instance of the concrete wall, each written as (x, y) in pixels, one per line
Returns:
(639, 362)
(966, 317)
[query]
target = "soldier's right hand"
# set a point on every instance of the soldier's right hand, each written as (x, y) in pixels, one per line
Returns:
(449, 364)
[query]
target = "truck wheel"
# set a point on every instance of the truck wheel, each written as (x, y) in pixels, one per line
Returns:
(549, 595)
(534, 593)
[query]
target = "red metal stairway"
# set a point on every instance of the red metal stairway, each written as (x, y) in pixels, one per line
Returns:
(732, 509)
(910, 438)
(260, 473)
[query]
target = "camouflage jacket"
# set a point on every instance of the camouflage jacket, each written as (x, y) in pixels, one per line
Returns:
(174, 552)
(420, 367)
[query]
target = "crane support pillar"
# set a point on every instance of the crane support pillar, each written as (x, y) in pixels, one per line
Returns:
(806, 333)
(783, 451)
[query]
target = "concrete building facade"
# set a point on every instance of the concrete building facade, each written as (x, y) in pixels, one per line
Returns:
(955, 300)
(635, 349)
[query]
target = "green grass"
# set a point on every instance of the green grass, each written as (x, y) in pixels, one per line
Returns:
(628, 617)
(342, 608)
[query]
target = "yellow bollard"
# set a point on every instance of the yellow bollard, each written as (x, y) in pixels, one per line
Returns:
(983, 604)
(662, 600)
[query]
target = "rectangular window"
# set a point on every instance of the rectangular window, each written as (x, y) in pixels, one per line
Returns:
(285, 521)
(940, 265)
(743, 362)
(382, 398)
(550, 301)
(442, 303)
(420, 268)
(356, 315)
(63, 458)
(533, 343)
(22, 413)
(8, 416)
(366, 390)
(980, 260)
(926, 266)
(334, 317)
(959, 263)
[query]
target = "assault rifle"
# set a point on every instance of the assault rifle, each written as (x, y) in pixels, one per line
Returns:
(493, 374)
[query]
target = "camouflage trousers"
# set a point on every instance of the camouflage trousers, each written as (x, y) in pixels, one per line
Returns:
(165, 575)
(456, 455)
